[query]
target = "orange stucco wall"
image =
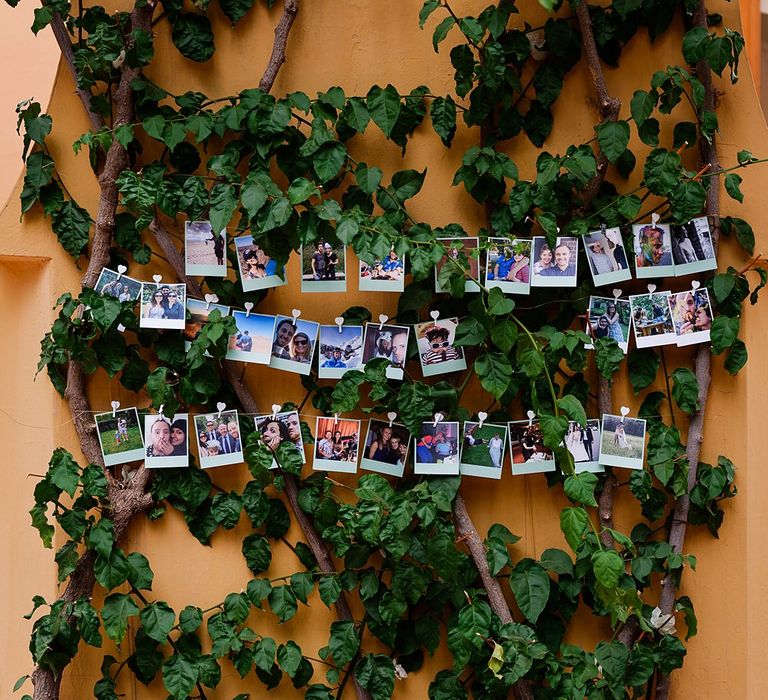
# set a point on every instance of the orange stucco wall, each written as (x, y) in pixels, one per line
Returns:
(356, 44)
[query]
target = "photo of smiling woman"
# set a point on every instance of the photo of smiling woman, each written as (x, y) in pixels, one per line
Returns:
(278, 428)
(555, 266)
(293, 344)
(166, 441)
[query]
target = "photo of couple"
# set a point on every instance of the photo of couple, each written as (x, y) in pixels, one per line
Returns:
(583, 442)
(529, 453)
(609, 318)
(323, 267)
(279, 428)
(437, 450)
(204, 250)
(692, 316)
(555, 266)
(257, 270)
(163, 306)
(482, 449)
(218, 439)
(388, 342)
(386, 448)
(336, 443)
(606, 255)
(120, 436)
(293, 344)
(508, 265)
(166, 441)
(387, 275)
(113, 284)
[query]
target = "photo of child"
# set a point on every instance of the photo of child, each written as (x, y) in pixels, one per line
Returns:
(437, 353)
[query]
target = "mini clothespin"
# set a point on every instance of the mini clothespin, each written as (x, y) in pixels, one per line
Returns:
(340, 322)
(654, 219)
(531, 416)
(383, 318)
(438, 418)
(435, 315)
(616, 294)
(391, 415)
(160, 410)
(210, 299)
(115, 406)
(624, 411)
(120, 270)
(248, 306)
(221, 406)
(481, 416)
(335, 418)
(651, 288)
(295, 313)
(275, 408)
(158, 279)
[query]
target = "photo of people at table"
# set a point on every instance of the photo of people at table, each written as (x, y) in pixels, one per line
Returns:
(652, 320)
(336, 444)
(529, 453)
(437, 448)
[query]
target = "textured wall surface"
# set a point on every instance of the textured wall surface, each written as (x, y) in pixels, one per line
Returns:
(355, 44)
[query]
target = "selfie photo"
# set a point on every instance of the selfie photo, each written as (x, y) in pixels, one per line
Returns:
(692, 316)
(281, 428)
(163, 306)
(555, 266)
(166, 441)
(336, 444)
(386, 448)
(388, 342)
(293, 344)
(255, 268)
(341, 350)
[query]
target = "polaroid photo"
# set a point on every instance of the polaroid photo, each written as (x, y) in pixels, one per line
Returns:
(198, 312)
(120, 436)
(218, 439)
(386, 448)
(692, 249)
(253, 340)
(323, 267)
(341, 350)
(482, 449)
(583, 442)
(526, 446)
(293, 344)
(462, 252)
(623, 442)
(256, 269)
(437, 353)
(508, 265)
(205, 252)
(387, 341)
(278, 428)
(387, 275)
(608, 317)
(163, 305)
(653, 250)
(691, 313)
(167, 444)
(555, 267)
(437, 449)
(652, 320)
(121, 287)
(606, 256)
(336, 441)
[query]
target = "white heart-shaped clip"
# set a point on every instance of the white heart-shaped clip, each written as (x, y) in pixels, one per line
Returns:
(121, 270)
(221, 406)
(120, 327)
(435, 315)
(481, 416)
(275, 408)
(383, 318)
(339, 322)
(438, 418)
(655, 218)
(248, 306)
(616, 293)
(295, 313)
(695, 285)
(651, 288)
(391, 415)
(115, 406)
(210, 299)
(157, 278)
(160, 410)
(624, 410)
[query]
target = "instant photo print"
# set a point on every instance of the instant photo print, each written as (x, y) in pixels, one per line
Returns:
(389, 342)
(623, 442)
(482, 449)
(163, 306)
(609, 318)
(583, 442)
(256, 269)
(254, 337)
(293, 345)
(528, 452)
(652, 320)
(383, 275)
(167, 441)
(508, 265)
(198, 312)
(691, 313)
(278, 428)
(386, 448)
(555, 266)
(323, 267)
(653, 250)
(341, 350)
(121, 287)
(120, 436)
(205, 252)
(607, 257)
(218, 439)
(437, 352)
(437, 449)
(692, 249)
(462, 252)
(336, 445)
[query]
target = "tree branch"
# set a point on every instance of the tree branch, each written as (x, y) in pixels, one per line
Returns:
(277, 58)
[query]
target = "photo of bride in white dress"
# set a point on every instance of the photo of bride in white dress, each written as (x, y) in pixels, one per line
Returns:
(583, 442)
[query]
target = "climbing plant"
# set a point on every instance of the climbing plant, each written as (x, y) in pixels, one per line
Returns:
(399, 561)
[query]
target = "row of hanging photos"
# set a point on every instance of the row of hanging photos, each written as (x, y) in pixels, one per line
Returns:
(512, 264)
(441, 448)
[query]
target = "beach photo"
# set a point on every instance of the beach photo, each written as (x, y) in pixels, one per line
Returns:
(255, 268)
(336, 444)
(508, 265)
(198, 312)
(482, 449)
(341, 350)
(205, 252)
(253, 340)
(623, 442)
(386, 448)
(323, 267)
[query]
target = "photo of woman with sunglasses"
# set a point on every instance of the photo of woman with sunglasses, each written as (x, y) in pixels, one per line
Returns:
(437, 352)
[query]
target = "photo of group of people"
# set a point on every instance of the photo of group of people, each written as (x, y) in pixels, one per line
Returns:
(437, 353)
(508, 265)
(609, 318)
(529, 453)
(437, 449)
(167, 444)
(323, 267)
(664, 250)
(460, 254)
(114, 284)
(218, 439)
(386, 448)
(163, 306)
(663, 318)
(623, 442)
(279, 428)
(387, 275)
(607, 258)
(341, 350)
(257, 270)
(120, 436)
(482, 449)
(555, 266)
(336, 444)
(204, 250)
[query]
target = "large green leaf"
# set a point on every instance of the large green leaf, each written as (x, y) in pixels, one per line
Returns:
(530, 584)
(193, 36)
(180, 676)
(613, 138)
(157, 620)
(384, 107)
(115, 612)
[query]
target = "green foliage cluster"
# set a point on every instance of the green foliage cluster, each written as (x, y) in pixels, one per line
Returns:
(281, 168)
